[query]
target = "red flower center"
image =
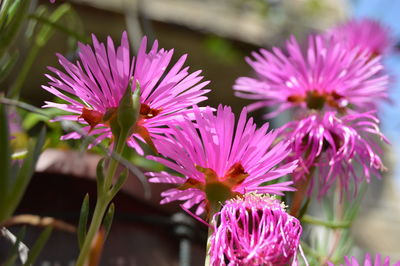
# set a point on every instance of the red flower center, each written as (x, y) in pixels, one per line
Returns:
(92, 117)
(146, 112)
(218, 189)
(316, 100)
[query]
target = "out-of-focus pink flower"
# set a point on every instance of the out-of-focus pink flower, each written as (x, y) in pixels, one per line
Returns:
(219, 161)
(254, 230)
(328, 76)
(331, 148)
(368, 261)
(366, 34)
(14, 122)
(101, 77)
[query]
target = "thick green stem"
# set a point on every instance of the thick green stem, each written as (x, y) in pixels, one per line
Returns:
(104, 198)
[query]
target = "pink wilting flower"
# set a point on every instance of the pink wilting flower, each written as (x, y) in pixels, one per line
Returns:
(101, 76)
(219, 161)
(254, 230)
(332, 147)
(368, 261)
(328, 76)
(366, 34)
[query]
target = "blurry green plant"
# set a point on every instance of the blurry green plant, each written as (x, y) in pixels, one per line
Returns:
(330, 237)
(40, 29)
(15, 176)
(222, 50)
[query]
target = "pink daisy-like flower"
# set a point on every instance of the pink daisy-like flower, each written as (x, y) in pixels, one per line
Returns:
(101, 77)
(333, 147)
(328, 76)
(368, 261)
(367, 34)
(254, 230)
(219, 161)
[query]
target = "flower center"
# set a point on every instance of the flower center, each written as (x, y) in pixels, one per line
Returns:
(146, 112)
(92, 117)
(316, 100)
(218, 189)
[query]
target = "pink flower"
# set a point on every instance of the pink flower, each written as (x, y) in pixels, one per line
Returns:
(328, 76)
(366, 34)
(333, 146)
(14, 122)
(101, 77)
(367, 261)
(219, 161)
(254, 230)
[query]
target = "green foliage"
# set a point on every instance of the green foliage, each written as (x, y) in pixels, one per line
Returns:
(16, 248)
(83, 218)
(38, 246)
(44, 33)
(12, 14)
(108, 219)
(222, 50)
(15, 178)
(330, 238)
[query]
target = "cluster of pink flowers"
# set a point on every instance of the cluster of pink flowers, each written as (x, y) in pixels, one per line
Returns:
(335, 87)
(368, 261)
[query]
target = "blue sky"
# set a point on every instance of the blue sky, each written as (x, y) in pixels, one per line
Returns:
(388, 12)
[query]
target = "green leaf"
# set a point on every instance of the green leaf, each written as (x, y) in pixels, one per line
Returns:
(83, 218)
(5, 161)
(13, 16)
(120, 182)
(41, 39)
(108, 219)
(38, 246)
(15, 249)
(5, 7)
(33, 24)
(46, 30)
(25, 173)
(45, 21)
(100, 175)
(7, 65)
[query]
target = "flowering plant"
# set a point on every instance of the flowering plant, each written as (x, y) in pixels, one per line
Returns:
(227, 172)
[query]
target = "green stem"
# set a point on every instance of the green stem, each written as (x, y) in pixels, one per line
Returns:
(334, 225)
(208, 258)
(299, 195)
(104, 198)
(100, 209)
(216, 207)
(118, 148)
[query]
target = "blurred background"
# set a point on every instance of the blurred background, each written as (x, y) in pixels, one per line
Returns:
(217, 35)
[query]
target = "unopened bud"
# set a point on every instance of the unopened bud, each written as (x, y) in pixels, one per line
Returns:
(128, 109)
